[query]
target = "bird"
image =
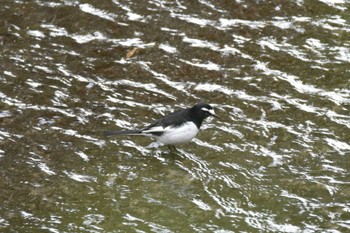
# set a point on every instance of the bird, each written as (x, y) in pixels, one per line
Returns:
(173, 129)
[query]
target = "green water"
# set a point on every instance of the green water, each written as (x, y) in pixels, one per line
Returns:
(277, 72)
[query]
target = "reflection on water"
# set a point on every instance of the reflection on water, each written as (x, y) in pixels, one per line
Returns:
(275, 161)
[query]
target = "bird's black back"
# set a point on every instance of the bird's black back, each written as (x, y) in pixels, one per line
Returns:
(176, 118)
(181, 116)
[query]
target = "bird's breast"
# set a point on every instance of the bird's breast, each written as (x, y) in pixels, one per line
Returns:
(179, 134)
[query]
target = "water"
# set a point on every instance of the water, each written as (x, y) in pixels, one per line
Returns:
(276, 72)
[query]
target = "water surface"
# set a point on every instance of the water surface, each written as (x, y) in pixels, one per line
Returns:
(277, 73)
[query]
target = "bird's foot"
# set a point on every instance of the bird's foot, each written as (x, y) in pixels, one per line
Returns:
(173, 149)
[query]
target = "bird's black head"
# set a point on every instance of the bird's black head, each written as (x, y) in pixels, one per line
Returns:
(201, 111)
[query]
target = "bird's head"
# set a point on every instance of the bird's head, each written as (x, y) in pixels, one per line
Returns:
(204, 110)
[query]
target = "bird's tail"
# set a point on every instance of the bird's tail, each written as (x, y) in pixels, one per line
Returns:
(122, 132)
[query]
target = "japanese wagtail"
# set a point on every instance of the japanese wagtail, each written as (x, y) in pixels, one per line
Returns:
(176, 128)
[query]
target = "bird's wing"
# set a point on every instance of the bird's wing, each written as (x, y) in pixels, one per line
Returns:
(175, 118)
(154, 129)
(158, 127)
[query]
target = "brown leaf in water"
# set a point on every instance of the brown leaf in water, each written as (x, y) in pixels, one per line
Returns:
(132, 53)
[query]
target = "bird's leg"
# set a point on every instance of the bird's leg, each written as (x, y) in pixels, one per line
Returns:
(172, 148)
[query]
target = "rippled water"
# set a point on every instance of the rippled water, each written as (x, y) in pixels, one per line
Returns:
(276, 71)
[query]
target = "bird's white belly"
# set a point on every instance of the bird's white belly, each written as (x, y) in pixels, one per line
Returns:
(178, 135)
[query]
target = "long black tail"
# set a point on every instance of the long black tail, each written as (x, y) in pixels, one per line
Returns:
(122, 132)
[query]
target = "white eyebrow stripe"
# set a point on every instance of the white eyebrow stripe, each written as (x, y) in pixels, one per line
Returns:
(211, 111)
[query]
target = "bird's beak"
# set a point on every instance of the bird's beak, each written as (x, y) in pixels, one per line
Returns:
(212, 112)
